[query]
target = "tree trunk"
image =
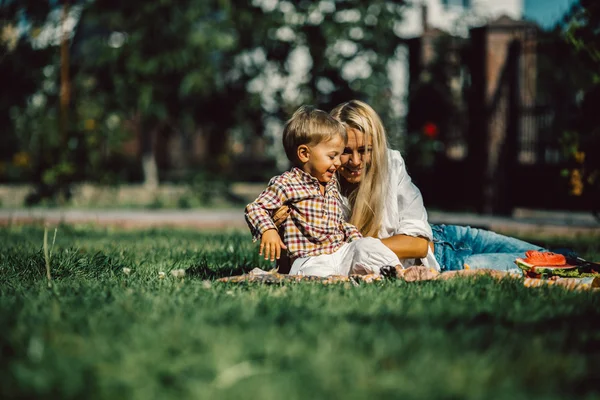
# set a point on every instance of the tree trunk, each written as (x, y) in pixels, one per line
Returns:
(150, 171)
(65, 84)
(149, 166)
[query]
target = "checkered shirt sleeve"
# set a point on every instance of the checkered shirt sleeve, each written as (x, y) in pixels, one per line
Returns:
(258, 213)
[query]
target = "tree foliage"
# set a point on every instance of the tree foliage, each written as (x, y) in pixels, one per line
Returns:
(188, 67)
(583, 28)
(583, 143)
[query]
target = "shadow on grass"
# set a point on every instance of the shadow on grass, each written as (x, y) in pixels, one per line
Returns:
(207, 272)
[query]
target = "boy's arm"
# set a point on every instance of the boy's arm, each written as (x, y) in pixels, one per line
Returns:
(258, 213)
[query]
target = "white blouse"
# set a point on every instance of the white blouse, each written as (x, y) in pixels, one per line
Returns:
(404, 212)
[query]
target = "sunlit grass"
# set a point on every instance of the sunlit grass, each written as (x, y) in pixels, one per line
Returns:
(102, 332)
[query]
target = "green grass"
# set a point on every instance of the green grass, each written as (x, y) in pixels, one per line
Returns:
(99, 333)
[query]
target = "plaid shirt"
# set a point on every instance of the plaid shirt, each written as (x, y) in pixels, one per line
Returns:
(315, 225)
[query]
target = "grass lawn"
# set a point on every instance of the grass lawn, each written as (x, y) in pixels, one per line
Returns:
(99, 333)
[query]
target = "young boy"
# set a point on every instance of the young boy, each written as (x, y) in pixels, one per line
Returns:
(317, 238)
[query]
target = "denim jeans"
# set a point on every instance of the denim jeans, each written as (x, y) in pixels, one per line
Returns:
(456, 246)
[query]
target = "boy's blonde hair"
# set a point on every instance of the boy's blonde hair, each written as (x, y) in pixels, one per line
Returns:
(367, 201)
(310, 126)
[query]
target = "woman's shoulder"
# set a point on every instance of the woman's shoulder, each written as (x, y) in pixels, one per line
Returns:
(396, 165)
(394, 157)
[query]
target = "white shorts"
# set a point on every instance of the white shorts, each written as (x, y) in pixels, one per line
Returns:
(362, 256)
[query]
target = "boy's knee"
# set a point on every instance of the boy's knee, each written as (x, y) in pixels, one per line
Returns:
(362, 248)
(365, 244)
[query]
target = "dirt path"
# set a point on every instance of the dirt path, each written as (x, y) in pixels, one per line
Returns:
(523, 222)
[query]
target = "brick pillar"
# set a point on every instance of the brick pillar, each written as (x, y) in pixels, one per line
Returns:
(497, 73)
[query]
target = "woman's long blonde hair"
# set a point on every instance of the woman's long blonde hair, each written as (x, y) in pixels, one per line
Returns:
(367, 201)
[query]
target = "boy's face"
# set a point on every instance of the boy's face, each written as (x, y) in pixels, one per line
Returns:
(323, 159)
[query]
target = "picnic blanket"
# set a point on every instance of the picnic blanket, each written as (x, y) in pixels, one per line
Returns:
(258, 275)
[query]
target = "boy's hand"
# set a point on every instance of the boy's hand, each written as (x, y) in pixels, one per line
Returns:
(271, 245)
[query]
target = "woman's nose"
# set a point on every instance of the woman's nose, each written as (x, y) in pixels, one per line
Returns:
(355, 158)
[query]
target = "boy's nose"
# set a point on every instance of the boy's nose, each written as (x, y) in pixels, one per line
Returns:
(337, 162)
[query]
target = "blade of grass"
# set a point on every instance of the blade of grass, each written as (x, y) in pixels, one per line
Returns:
(53, 241)
(47, 257)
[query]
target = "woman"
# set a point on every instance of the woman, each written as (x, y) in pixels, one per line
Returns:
(382, 202)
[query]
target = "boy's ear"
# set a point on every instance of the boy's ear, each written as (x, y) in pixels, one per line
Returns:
(303, 153)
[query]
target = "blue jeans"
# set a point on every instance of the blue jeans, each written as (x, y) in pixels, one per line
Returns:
(456, 246)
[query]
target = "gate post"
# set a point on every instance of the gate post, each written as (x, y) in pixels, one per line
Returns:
(495, 106)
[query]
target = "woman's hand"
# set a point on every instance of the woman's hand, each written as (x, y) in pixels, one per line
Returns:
(281, 215)
(271, 245)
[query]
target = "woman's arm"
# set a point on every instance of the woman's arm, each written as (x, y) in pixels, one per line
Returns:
(407, 246)
(411, 217)
(406, 218)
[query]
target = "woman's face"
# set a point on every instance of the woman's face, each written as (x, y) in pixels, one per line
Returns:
(355, 157)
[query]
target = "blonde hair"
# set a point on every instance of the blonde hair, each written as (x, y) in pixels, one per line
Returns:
(367, 201)
(310, 126)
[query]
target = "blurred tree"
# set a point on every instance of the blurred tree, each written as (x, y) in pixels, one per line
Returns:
(165, 67)
(17, 83)
(583, 142)
(37, 95)
(350, 47)
(583, 26)
(157, 62)
(192, 62)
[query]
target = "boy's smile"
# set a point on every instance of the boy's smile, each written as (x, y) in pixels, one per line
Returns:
(324, 159)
